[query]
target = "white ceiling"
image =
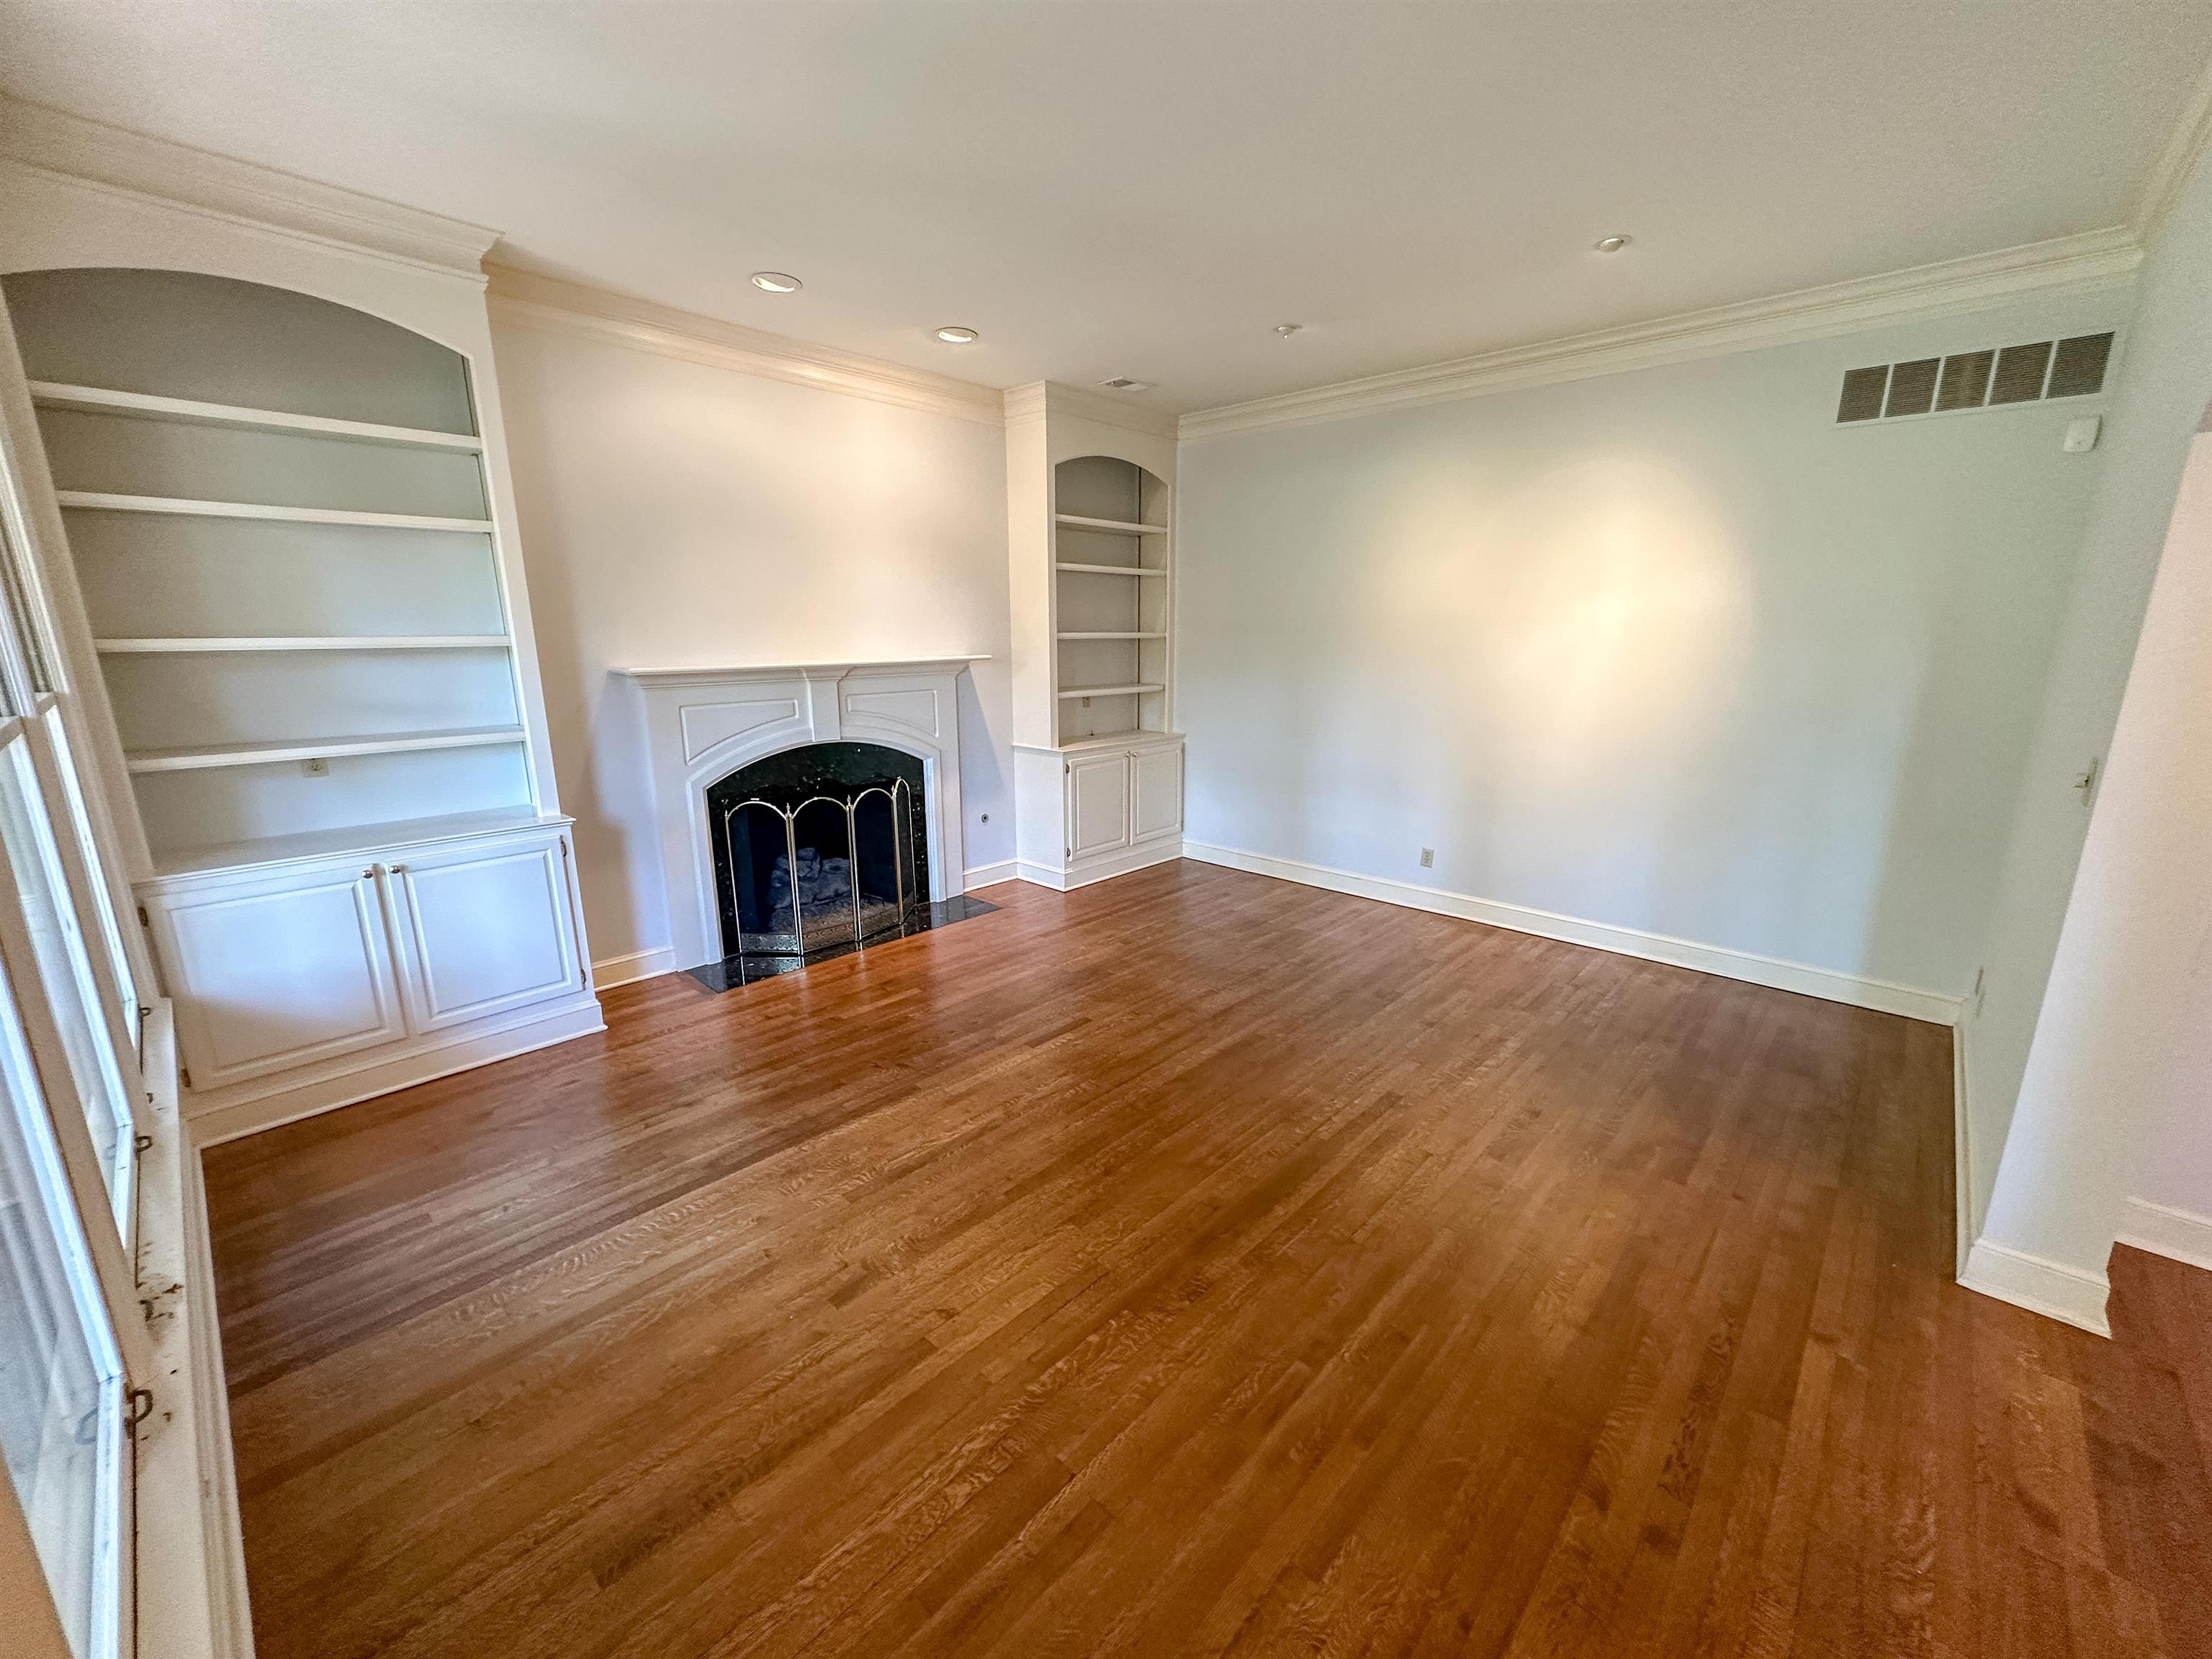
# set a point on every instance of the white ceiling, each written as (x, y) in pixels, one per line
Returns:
(1147, 189)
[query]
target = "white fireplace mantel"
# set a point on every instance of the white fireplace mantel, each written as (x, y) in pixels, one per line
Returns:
(702, 724)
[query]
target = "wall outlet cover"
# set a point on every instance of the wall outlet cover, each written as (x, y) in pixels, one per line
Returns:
(1428, 858)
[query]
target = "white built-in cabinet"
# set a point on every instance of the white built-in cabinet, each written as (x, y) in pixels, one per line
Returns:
(332, 959)
(294, 611)
(1097, 762)
(1122, 797)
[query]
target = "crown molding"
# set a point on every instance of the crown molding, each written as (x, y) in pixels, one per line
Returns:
(1027, 404)
(547, 303)
(134, 164)
(2192, 135)
(2093, 260)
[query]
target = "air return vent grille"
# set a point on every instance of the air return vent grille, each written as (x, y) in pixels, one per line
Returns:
(2027, 374)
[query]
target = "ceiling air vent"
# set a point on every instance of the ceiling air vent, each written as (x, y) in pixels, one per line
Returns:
(1123, 383)
(1990, 379)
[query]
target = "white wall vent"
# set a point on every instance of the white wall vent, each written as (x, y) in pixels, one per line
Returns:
(1988, 379)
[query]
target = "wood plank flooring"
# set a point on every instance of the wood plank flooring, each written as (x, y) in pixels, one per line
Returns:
(1192, 1264)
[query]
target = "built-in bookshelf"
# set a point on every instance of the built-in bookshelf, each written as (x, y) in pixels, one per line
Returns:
(1090, 583)
(1110, 567)
(278, 515)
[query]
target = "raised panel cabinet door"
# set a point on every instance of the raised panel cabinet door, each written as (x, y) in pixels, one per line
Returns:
(1098, 804)
(484, 929)
(1155, 806)
(278, 973)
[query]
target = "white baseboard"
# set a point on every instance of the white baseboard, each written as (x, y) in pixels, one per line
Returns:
(2038, 1285)
(630, 969)
(1881, 995)
(2178, 1235)
(1101, 869)
(989, 875)
(212, 1125)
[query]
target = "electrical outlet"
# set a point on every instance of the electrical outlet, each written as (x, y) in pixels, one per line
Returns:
(1428, 858)
(316, 768)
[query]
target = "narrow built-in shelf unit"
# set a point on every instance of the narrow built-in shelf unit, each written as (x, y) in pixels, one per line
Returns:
(1110, 625)
(1090, 557)
(283, 538)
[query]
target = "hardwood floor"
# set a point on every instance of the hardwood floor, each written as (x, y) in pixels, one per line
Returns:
(1191, 1265)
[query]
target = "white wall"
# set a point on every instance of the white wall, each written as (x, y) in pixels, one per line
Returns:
(1666, 650)
(2163, 748)
(2118, 1083)
(2162, 391)
(674, 513)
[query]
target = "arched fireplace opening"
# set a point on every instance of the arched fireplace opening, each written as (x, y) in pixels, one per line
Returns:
(819, 849)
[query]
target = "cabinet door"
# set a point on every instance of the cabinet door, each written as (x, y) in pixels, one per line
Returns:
(483, 929)
(278, 972)
(1098, 804)
(1156, 803)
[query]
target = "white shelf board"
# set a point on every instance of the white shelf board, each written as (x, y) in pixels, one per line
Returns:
(1110, 569)
(1108, 690)
(1119, 526)
(351, 839)
(54, 394)
(1113, 636)
(1132, 735)
(184, 647)
(270, 754)
(93, 500)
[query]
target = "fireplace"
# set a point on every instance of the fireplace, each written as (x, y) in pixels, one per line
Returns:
(815, 848)
(838, 731)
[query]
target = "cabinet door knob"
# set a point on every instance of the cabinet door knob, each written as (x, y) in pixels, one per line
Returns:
(369, 874)
(399, 869)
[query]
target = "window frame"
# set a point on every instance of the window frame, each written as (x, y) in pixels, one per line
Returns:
(110, 1299)
(69, 815)
(36, 687)
(114, 1255)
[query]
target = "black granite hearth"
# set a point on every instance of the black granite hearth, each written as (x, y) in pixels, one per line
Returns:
(746, 967)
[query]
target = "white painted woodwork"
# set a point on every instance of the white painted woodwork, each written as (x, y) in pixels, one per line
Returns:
(53, 394)
(1155, 792)
(281, 969)
(295, 610)
(1112, 526)
(699, 725)
(177, 646)
(1091, 511)
(274, 973)
(269, 754)
(484, 929)
(1098, 805)
(93, 500)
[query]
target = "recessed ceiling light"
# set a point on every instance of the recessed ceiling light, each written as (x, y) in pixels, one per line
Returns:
(1612, 244)
(776, 282)
(957, 335)
(1288, 329)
